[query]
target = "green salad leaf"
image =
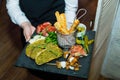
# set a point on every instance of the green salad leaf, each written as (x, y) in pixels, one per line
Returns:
(52, 37)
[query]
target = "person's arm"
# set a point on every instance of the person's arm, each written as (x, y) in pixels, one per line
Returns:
(71, 7)
(15, 13)
(18, 17)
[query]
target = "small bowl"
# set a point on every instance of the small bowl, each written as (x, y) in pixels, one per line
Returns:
(81, 33)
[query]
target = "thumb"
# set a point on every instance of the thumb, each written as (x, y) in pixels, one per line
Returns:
(27, 37)
(33, 29)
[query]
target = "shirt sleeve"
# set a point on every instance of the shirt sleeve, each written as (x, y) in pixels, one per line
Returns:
(71, 7)
(15, 13)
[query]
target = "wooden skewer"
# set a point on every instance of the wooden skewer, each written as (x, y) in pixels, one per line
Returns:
(54, 64)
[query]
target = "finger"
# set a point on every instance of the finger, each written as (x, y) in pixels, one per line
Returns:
(27, 37)
(33, 30)
(30, 32)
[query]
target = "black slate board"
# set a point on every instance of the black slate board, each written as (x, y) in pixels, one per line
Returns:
(25, 62)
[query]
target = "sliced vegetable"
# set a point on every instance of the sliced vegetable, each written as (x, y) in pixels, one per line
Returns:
(45, 28)
(52, 37)
(87, 43)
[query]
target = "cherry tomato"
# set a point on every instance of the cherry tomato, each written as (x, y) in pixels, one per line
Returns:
(51, 29)
(45, 24)
(45, 28)
(44, 33)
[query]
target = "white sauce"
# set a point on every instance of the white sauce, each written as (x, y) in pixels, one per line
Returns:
(71, 59)
(63, 64)
(36, 38)
(72, 68)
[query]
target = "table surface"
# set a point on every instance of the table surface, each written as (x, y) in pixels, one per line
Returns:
(26, 62)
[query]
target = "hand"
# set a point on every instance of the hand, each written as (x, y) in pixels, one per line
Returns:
(28, 30)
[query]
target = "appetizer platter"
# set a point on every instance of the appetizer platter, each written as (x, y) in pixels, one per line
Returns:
(54, 48)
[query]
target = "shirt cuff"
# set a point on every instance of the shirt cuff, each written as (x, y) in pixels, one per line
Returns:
(21, 19)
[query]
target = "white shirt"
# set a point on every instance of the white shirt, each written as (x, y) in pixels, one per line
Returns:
(18, 17)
